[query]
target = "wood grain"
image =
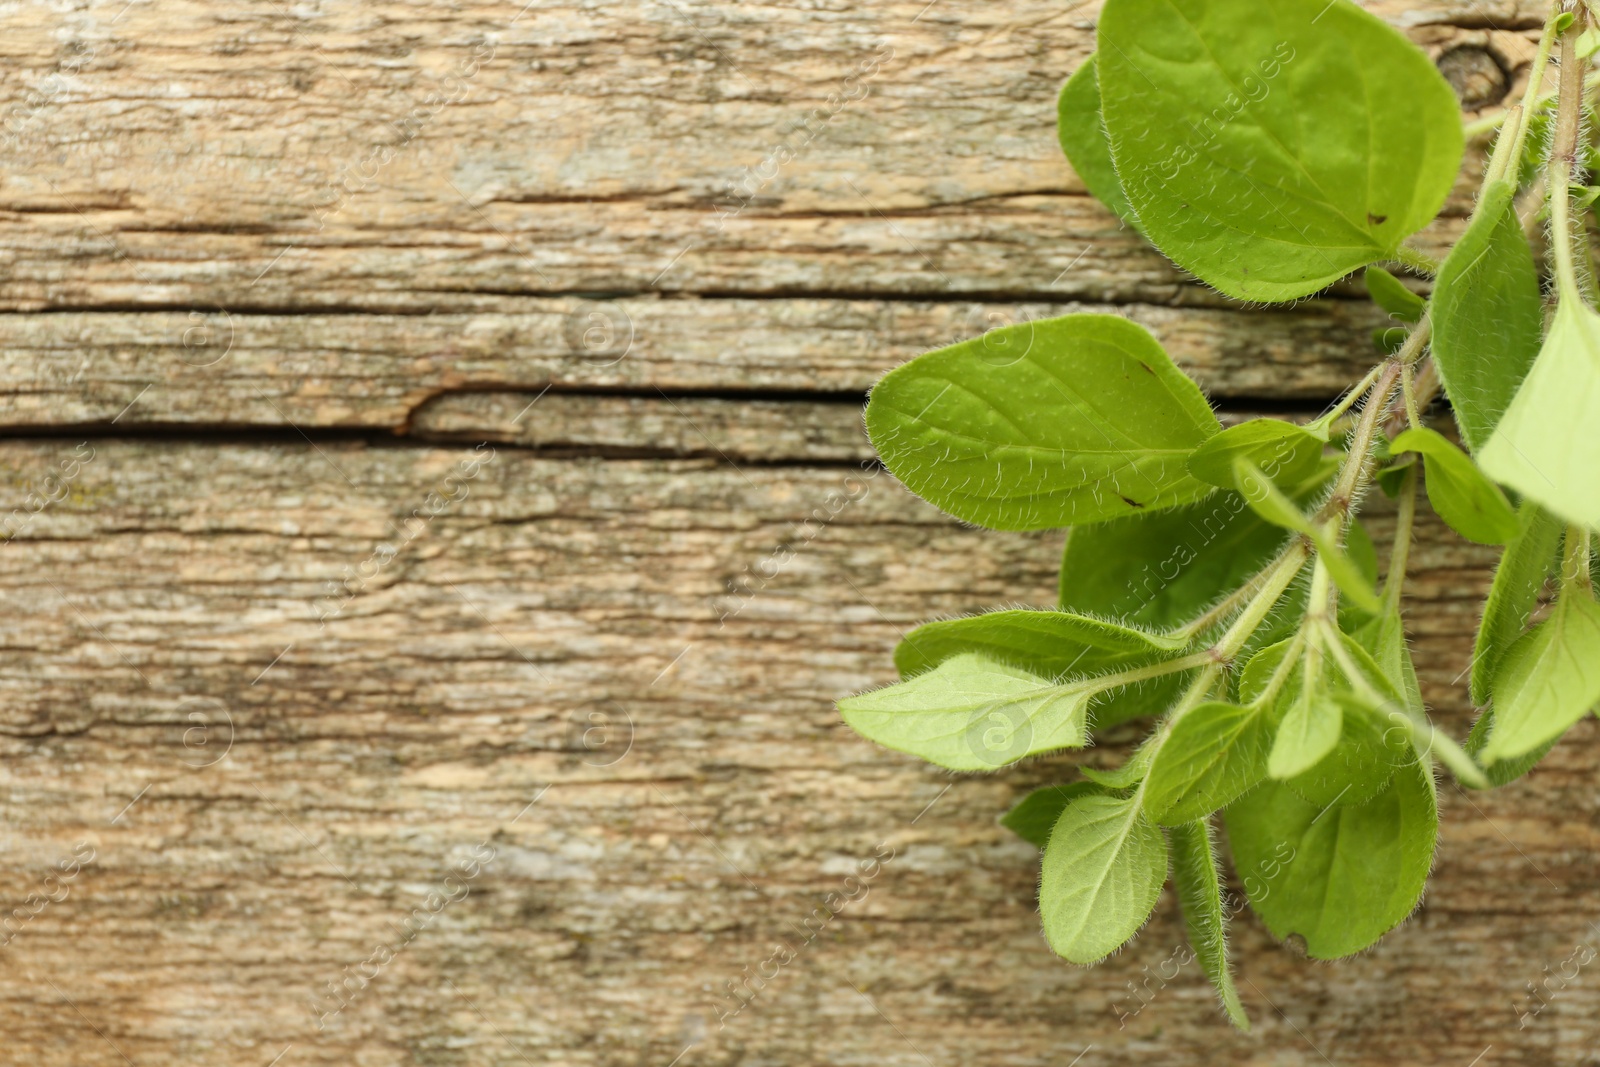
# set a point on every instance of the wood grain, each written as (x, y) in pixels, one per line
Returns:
(325, 609)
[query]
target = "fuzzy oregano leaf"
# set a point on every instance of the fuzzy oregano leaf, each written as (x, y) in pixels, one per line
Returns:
(1102, 874)
(1525, 567)
(1340, 877)
(1389, 293)
(1047, 643)
(1042, 424)
(1035, 815)
(1486, 315)
(1283, 451)
(972, 714)
(1215, 754)
(1241, 159)
(1083, 139)
(1195, 877)
(1465, 499)
(1546, 447)
(1051, 644)
(1549, 679)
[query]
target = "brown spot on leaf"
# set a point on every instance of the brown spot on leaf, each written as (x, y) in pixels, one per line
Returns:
(1377, 220)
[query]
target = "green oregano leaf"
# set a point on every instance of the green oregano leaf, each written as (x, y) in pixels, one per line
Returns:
(1083, 139)
(1525, 567)
(1080, 419)
(1052, 644)
(1486, 315)
(1272, 504)
(1102, 874)
(1215, 754)
(1548, 680)
(1308, 732)
(1546, 447)
(1167, 567)
(1046, 643)
(1361, 762)
(1284, 452)
(1195, 877)
(1506, 771)
(971, 713)
(1389, 293)
(1128, 774)
(1384, 639)
(1339, 877)
(1465, 499)
(1272, 148)
(1035, 815)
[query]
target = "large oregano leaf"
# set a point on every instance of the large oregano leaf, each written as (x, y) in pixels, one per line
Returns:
(1078, 419)
(1273, 147)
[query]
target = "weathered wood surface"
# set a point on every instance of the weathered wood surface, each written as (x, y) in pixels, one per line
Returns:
(256, 405)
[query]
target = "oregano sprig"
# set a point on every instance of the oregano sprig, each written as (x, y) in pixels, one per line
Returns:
(1219, 581)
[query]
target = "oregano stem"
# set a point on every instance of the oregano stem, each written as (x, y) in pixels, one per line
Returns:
(1563, 161)
(1417, 260)
(1575, 573)
(1355, 464)
(1408, 389)
(1280, 673)
(1350, 397)
(1261, 603)
(1400, 551)
(1134, 674)
(1232, 602)
(1530, 95)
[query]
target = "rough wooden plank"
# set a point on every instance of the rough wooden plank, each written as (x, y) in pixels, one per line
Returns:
(402, 156)
(716, 801)
(217, 369)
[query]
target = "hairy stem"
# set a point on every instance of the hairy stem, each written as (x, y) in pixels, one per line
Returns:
(1400, 552)
(1575, 575)
(1342, 501)
(1570, 245)
(1273, 586)
(1530, 97)
(1408, 389)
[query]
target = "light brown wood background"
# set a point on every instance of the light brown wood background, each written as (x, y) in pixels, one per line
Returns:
(271, 271)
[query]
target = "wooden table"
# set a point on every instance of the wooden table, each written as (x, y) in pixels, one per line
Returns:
(424, 431)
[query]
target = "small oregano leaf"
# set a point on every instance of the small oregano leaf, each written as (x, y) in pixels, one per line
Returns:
(1102, 874)
(1215, 754)
(1240, 161)
(1548, 680)
(1468, 502)
(1272, 504)
(1035, 815)
(1042, 424)
(1525, 567)
(1083, 139)
(1308, 732)
(1389, 293)
(1284, 452)
(1340, 877)
(1195, 877)
(1360, 764)
(972, 714)
(1546, 447)
(1486, 315)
